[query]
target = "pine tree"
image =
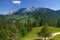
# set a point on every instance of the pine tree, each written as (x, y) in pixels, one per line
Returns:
(58, 23)
(45, 32)
(29, 25)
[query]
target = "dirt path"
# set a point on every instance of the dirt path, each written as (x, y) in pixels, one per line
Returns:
(53, 35)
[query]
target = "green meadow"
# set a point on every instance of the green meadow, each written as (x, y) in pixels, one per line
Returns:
(33, 34)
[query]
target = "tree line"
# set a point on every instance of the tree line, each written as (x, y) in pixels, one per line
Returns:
(15, 30)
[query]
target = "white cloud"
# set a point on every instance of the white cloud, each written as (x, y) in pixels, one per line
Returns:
(16, 2)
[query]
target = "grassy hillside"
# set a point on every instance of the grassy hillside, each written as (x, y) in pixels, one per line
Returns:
(33, 34)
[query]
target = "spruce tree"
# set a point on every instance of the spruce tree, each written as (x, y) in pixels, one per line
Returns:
(45, 32)
(58, 23)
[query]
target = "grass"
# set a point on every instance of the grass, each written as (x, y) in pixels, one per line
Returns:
(54, 29)
(57, 37)
(33, 34)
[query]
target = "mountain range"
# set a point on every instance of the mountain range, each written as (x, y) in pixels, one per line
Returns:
(33, 10)
(34, 14)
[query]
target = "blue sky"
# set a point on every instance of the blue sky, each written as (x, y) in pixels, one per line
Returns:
(10, 5)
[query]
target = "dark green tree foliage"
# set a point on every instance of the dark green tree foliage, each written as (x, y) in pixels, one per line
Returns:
(22, 29)
(45, 32)
(58, 23)
(29, 25)
(41, 22)
(36, 24)
(8, 31)
(15, 32)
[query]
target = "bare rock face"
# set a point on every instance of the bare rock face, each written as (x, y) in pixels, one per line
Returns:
(32, 9)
